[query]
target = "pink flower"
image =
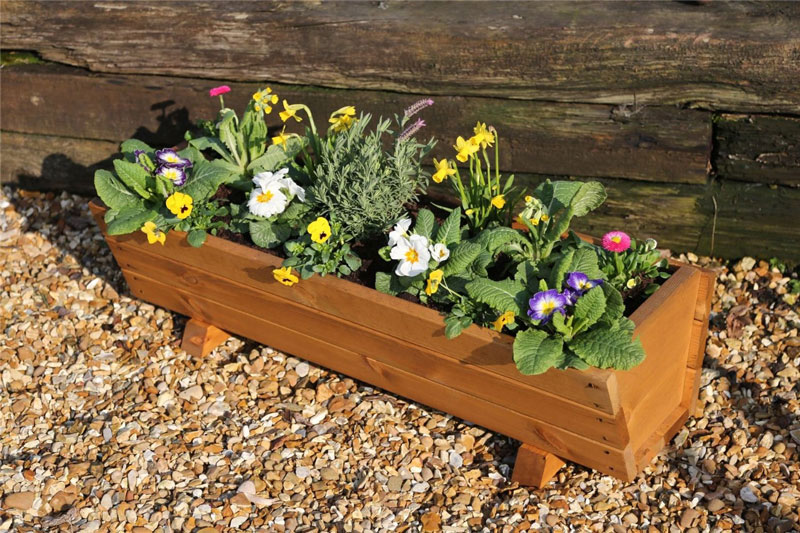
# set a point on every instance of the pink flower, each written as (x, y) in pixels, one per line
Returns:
(216, 91)
(616, 241)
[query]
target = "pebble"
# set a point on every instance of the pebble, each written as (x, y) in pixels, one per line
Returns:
(715, 505)
(20, 500)
(747, 494)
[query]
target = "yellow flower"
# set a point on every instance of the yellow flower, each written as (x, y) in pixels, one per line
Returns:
(483, 137)
(154, 234)
(545, 217)
(631, 283)
(434, 279)
(320, 230)
(504, 320)
(535, 221)
(465, 148)
(263, 100)
(180, 204)
(468, 212)
(442, 170)
(528, 199)
(281, 138)
(498, 201)
(342, 118)
(257, 96)
(284, 275)
(290, 111)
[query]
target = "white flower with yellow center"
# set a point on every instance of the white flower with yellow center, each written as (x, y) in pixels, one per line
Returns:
(399, 232)
(264, 180)
(267, 202)
(413, 255)
(439, 252)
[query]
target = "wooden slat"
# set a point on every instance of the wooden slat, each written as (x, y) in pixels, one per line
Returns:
(472, 379)
(658, 143)
(364, 367)
(725, 55)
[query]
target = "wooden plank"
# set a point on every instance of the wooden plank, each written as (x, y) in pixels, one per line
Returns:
(656, 143)
(535, 467)
(45, 162)
(472, 379)
(759, 148)
(363, 367)
(726, 55)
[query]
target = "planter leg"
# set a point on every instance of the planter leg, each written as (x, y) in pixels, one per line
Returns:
(200, 338)
(535, 467)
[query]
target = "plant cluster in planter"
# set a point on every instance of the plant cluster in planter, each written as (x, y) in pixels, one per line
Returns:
(350, 201)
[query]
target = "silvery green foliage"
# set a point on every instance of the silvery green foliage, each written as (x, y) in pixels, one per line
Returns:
(363, 186)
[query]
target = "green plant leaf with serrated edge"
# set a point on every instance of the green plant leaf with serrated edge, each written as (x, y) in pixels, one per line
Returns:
(589, 308)
(560, 269)
(450, 230)
(276, 156)
(496, 238)
(212, 143)
(585, 260)
(130, 219)
(502, 296)
(609, 348)
(267, 234)
(134, 176)
(113, 192)
(205, 179)
(131, 145)
(560, 323)
(196, 237)
(571, 360)
(425, 223)
(588, 197)
(461, 256)
(614, 306)
(536, 352)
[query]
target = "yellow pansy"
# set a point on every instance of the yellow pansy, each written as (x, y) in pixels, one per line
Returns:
(154, 234)
(180, 204)
(442, 170)
(320, 230)
(483, 137)
(342, 118)
(434, 279)
(504, 320)
(281, 138)
(284, 275)
(498, 201)
(465, 148)
(290, 111)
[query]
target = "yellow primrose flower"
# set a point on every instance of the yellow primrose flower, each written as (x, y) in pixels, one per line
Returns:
(442, 170)
(545, 217)
(284, 275)
(342, 118)
(631, 283)
(465, 148)
(320, 230)
(434, 279)
(483, 137)
(281, 138)
(528, 199)
(180, 204)
(257, 96)
(468, 212)
(498, 201)
(154, 234)
(535, 221)
(504, 320)
(290, 111)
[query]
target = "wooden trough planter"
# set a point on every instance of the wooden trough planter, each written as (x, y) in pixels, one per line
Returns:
(611, 421)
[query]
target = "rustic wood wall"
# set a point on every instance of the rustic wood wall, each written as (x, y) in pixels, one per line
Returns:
(688, 111)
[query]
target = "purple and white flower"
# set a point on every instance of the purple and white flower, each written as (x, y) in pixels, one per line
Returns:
(170, 158)
(175, 174)
(581, 283)
(544, 304)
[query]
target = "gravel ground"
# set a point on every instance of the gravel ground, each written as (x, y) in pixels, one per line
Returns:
(107, 426)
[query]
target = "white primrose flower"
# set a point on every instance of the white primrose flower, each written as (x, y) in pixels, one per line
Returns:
(400, 231)
(264, 179)
(413, 255)
(267, 202)
(440, 252)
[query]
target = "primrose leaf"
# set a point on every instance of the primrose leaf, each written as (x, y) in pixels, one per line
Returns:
(502, 296)
(535, 352)
(450, 230)
(496, 238)
(557, 195)
(131, 145)
(425, 223)
(212, 143)
(276, 157)
(610, 348)
(113, 192)
(461, 256)
(130, 219)
(134, 176)
(205, 178)
(588, 197)
(589, 308)
(560, 269)
(570, 360)
(614, 305)
(585, 260)
(267, 234)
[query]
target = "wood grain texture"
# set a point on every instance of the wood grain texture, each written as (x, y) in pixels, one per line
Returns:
(535, 467)
(656, 143)
(726, 55)
(200, 338)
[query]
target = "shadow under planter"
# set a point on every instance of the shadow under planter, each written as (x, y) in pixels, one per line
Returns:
(610, 420)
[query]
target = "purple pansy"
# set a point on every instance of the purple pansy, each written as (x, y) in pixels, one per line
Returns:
(170, 158)
(581, 283)
(175, 174)
(545, 303)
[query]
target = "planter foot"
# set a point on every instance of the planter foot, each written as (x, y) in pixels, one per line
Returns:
(200, 338)
(535, 467)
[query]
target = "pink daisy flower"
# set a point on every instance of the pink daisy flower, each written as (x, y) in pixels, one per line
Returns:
(216, 91)
(616, 241)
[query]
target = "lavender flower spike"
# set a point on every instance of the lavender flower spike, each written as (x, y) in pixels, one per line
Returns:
(412, 129)
(417, 107)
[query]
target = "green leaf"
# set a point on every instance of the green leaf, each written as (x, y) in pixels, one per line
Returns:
(425, 223)
(609, 348)
(212, 143)
(450, 230)
(131, 145)
(130, 219)
(276, 157)
(496, 238)
(536, 352)
(589, 308)
(196, 237)
(383, 283)
(560, 269)
(204, 180)
(134, 176)
(559, 322)
(614, 305)
(113, 192)
(461, 256)
(453, 326)
(588, 197)
(557, 195)
(570, 360)
(585, 260)
(267, 234)
(502, 296)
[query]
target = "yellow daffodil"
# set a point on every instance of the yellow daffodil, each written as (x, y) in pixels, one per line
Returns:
(281, 138)
(342, 118)
(483, 137)
(434, 279)
(290, 111)
(498, 201)
(154, 234)
(465, 148)
(180, 204)
(284, 275)
(320, 230)
(504, 320)
(443, 170)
